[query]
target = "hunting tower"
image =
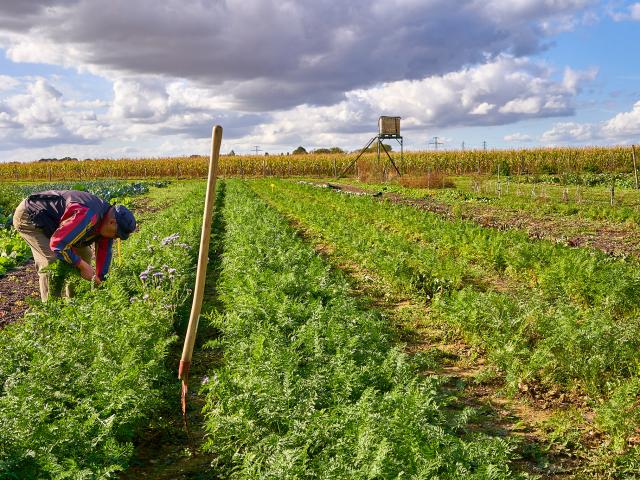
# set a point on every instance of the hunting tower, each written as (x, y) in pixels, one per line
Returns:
(388, 127)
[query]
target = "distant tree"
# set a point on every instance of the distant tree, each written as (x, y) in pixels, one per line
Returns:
(374, 148)
(329, 150)
(299, 150)
(64, 159)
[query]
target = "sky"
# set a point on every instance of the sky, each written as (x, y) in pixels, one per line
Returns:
(142, 78)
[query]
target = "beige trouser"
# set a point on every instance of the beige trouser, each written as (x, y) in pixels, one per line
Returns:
(42, 253)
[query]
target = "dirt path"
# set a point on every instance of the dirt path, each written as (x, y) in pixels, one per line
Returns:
(166, 451)
(612, 238)
(15, 287)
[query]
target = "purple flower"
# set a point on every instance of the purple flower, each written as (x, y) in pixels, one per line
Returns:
(171, 271)
(170, 239)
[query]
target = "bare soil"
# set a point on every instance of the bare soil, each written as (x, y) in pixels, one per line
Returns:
(16, 287)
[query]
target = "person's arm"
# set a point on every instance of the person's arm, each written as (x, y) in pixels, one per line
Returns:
(76, 221)
(103, 256)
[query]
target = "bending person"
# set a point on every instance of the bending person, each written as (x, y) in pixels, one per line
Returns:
(63, 225)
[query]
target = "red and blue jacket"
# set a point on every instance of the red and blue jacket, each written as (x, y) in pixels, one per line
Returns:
(72, 219)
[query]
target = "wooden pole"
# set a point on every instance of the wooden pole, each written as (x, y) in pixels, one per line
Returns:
(201, 272)
(635, 166)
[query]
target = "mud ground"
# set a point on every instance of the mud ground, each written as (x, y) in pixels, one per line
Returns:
(16, 287)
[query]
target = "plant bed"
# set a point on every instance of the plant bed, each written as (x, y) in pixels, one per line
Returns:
(314, 385)
(560, 324)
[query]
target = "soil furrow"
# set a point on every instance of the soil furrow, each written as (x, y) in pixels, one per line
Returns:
(16, 288)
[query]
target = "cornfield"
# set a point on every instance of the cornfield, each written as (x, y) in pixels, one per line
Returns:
(514, 162)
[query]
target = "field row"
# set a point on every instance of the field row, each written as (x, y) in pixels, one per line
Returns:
(545, 314)
(313, 384)
(588, 222)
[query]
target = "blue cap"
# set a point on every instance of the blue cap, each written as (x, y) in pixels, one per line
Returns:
(125, 220)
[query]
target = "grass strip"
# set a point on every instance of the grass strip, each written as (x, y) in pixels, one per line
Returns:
(516, 194)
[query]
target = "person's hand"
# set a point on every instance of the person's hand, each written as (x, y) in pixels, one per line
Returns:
(96, 280)
(86, 271)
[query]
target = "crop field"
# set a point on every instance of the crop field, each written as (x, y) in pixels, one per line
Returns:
(559, 162)
(446, 325)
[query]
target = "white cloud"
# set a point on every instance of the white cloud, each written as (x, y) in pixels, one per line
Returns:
(268, 54)
(139, 100)
(631, 12)
(574, 79)
(482, 109)
(518, 137)
(624, 124)
(622, 128)
(526, 106)
(501, 91)
(37, 115)
(7, 82)
(570, 132)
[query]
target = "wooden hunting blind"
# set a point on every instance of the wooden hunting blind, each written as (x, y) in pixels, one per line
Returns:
(388, 127)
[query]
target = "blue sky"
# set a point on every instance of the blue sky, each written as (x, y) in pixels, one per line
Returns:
(136, 78)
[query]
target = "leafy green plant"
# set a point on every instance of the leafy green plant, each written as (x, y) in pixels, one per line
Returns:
(13, 250)
(543, 313)
(313, 385)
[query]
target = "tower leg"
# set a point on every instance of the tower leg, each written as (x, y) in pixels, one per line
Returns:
(342, 173)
